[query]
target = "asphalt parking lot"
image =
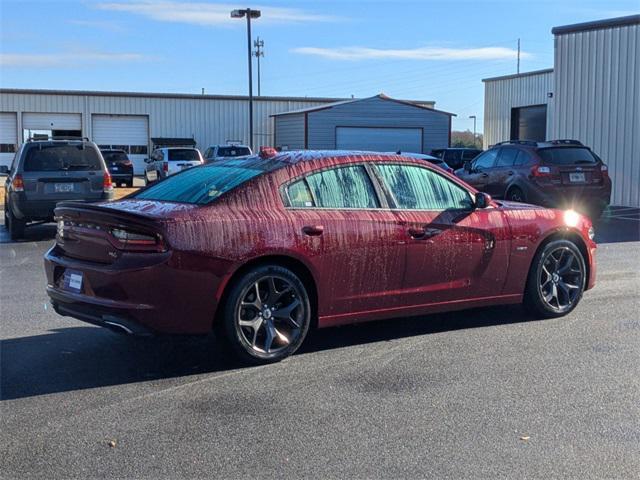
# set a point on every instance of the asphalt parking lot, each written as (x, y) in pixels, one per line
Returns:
(484, 393)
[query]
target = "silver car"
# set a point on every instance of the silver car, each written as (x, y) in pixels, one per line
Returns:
(45, 172)
(226, 152)
(169, 160)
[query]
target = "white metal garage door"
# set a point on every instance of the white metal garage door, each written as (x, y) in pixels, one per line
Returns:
(8, 137)
(52, 121)
(126, 132)
(379, 139)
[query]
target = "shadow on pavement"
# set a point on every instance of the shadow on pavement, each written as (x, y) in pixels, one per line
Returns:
(82, 357)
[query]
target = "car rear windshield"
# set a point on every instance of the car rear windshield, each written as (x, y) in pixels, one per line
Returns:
(183, 154)
(115, 157)
(233, 151)
(200, 185)
(567, 156)
(52, 158)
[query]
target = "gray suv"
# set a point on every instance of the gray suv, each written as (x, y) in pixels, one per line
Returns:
(46, 172)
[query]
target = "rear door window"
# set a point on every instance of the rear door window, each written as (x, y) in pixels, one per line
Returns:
(183, 154)
(343, 187)
(567, 156)
(115, 157)
(415, 188)
(66, 157)
(507, 157)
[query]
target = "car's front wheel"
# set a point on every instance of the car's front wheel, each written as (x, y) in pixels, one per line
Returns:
(267, 314)
(556, 280)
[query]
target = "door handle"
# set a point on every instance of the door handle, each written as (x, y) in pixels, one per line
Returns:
(510, 173)
(313, 230)
(484, 175)
(423, 233)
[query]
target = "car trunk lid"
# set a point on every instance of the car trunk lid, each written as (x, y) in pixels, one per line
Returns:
(103, 232)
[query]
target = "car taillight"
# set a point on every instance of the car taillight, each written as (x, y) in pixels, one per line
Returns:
(17, 184)
(107, 184)
(127, 163)
(137, 242)
(605, 170)
(165, 167)
(540, 171)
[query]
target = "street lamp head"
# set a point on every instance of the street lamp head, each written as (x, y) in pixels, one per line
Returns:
(243, 13)
(472, 116)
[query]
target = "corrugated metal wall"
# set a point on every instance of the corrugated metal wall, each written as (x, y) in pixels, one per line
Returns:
(290, 131)
(503, 94)
(597, 100)
(377, 112)
(208, 120)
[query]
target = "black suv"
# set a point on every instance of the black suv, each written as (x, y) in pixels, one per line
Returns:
(455, 157)
(119, 165)
(46, 172)
(557, 173)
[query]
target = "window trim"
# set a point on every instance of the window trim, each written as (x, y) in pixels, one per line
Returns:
(380, 197)
(394, 203)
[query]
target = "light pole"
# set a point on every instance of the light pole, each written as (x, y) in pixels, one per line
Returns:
(475, 143)
(247, 12)
(259, 52)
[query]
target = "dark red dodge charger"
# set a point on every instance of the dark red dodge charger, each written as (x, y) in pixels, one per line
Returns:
(264, 248)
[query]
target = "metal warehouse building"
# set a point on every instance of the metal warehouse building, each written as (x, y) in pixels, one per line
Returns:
(592, 94)
(378, 123)
(136, 122)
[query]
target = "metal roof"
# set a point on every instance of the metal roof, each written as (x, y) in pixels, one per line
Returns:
(411, 103)
(597, 25)
(519, 75)
(29, 91)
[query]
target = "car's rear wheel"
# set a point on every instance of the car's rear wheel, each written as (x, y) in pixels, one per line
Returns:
(515, 194)
(267, 314)
(14, 225)
(556, 280)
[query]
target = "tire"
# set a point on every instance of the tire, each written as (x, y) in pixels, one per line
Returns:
(515, 194)
(14, 225)
(258, 331)
(556, 280)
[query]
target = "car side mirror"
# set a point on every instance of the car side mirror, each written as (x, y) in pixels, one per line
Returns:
(4, 170)
(482, 200)
(467, 166)
(147, 160)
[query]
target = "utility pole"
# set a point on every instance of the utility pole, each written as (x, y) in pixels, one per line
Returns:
(518, 56)
(259, 52)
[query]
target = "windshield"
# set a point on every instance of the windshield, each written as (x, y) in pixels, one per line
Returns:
(51, 158)
(567, 156)
(200, 185)
(233, 151)
(115, 157)
(183, 154)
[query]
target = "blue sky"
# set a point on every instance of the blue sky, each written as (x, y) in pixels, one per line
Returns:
(428, 50)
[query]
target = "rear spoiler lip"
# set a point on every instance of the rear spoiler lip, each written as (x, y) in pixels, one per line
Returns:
(68, 206)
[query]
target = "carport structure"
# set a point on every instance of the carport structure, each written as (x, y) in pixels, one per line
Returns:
(377, 123)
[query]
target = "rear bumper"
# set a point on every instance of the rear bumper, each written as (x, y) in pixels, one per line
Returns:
(25, 208)
(139, 293)
(563, 196)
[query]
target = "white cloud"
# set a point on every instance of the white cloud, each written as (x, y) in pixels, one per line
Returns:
(420, 53)
(209, 14)
(65, 59)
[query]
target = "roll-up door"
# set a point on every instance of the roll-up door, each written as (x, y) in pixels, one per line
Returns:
(125, 132)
